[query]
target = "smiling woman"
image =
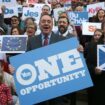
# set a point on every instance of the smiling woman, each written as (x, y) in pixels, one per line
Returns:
(15, 31)
(31, 29)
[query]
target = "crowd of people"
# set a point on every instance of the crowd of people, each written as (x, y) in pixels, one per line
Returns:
(42, 34)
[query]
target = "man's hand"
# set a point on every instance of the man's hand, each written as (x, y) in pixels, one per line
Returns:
(98, 70)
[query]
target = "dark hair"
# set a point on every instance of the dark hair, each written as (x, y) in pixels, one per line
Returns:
(96, 16)
(15, 17)
(20, 32)
(103, 25)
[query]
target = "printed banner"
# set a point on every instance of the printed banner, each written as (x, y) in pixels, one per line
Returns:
(101, 57)
(31, 12)
(10, 11)
(43, 76)
(13, 44)
(8, 2)
(88, 28)
(78, 17)
(93, 8)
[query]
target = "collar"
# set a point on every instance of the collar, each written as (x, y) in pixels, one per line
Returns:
(44, 36)
(65, 34)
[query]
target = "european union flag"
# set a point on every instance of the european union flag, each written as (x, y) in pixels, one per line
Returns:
(14, 43)
(101, 56)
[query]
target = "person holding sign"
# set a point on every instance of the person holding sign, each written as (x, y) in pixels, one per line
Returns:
(45, 38)
(63, 24)
(97, 92)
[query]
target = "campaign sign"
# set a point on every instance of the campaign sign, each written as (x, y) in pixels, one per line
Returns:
(101, 56)
(93, 8)
(88, 28)
(13, 44)
(10, 11)
(78, 17)
(8, 2)
(31, 12)
(42, 76)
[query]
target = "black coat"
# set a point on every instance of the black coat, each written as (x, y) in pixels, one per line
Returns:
(97, 92)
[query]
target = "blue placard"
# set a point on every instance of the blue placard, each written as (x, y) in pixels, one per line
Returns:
(13, 44)
(101, 56)
(78, 17)
(49, 72)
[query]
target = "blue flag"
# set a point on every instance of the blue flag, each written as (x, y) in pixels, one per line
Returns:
(101, 56)
(14, 44)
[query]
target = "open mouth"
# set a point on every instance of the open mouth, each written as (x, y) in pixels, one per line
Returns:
(46, 28)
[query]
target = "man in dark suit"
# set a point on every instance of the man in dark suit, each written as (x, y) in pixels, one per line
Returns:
(45, 24)
(46, 37)
(63, 25)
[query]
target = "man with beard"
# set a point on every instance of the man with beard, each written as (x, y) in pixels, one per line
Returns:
(63, 24)
(63, 31)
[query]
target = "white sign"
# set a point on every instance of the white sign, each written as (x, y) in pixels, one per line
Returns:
(31, 12)
(57, 12)
(93, 8)
(88, 28)
(8, 2)
(10, 11)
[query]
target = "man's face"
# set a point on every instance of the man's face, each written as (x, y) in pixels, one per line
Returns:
(46, 24)
(45, 10)
(62, 25)
(14, 22)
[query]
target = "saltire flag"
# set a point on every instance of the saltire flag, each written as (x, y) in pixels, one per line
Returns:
(14, 44)
(101, 56)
